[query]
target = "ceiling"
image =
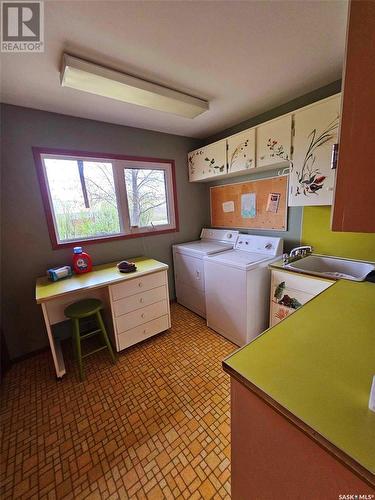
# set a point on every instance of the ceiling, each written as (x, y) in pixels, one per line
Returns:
(245, 57)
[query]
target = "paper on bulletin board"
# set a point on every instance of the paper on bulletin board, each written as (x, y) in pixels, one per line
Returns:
(228, 206)
(248, 206)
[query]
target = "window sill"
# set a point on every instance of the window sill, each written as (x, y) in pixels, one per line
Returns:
(108, 239)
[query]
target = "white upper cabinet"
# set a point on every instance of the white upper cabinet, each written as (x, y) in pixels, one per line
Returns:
(301, 140)
(241, 151)
(274, 142)
(208, 161)
(315, 132)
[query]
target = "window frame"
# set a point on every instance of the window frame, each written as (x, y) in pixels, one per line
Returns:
(168, 166)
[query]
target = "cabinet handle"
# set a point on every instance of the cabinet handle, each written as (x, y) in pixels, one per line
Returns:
(140, 284)
(335, 153)
(141, 300)
(142, 315)
(144, 332)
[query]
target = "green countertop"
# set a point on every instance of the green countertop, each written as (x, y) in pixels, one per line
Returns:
(103, 275)
(318, 364)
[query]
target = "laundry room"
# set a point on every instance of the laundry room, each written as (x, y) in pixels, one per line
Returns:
(187, 249)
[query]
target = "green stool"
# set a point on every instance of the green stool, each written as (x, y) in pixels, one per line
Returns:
(84, 309)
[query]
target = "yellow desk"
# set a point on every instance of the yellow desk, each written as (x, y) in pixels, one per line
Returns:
(139, 302)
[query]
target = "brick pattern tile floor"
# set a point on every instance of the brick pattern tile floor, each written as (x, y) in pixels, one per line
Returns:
(155, 425)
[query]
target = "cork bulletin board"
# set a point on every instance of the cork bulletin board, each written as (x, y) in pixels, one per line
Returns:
(258, 204)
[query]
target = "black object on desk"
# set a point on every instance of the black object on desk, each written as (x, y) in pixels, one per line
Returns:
(126, 267)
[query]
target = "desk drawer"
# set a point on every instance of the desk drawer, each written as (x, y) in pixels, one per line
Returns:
(141, 316)
(142, 332)
(139, 300)
(137, 285)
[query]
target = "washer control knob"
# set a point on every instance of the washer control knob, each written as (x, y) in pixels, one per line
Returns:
(229, 235)
(268, 246)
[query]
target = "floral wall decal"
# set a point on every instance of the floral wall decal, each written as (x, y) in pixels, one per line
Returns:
(240, 154)
(212, 167)
(192, 157)
(282, 313)
(277, 150)
(283, 299)
(310, 179)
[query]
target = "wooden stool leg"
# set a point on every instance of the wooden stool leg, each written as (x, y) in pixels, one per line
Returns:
(105, 336)
(77, 339)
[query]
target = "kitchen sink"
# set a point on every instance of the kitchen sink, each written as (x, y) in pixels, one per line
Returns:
(332, 267)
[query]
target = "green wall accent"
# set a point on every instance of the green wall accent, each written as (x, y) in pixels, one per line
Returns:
(316, 231)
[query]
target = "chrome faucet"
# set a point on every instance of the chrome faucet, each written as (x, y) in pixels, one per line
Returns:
(303, 251)
(297, 253)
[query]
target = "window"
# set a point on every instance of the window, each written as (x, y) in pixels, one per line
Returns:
(92, 197)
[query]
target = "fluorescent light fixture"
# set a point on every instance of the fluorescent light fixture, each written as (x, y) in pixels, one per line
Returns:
(82, 75)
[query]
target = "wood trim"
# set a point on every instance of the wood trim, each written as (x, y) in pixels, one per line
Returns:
(350, 463)
(353, 208)
(39, 151)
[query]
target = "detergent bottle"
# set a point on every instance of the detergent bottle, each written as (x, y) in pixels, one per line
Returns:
(82, 262)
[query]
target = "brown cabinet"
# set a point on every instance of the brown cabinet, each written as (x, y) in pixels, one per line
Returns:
(354, 206)
(276, 458)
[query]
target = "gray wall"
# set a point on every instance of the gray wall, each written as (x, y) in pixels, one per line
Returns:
(292, 236)
(26, 247)
(299, 102)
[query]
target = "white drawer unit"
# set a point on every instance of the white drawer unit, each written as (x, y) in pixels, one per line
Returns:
(136, 285)
(142, 332)
(139, 300)
(290, 291)
(140, 308)
(140, 316)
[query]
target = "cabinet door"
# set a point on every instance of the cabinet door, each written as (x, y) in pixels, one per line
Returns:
(274, 142)
(355, 184)
(207, 162)
(290, 300)
(241, 151)
(315, 133)
(290, 291)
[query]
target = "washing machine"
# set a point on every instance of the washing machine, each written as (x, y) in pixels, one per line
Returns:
(237, 287)
(189, 268)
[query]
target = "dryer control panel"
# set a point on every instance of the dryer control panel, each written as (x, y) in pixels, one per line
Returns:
(266, 245)
(224, 235)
